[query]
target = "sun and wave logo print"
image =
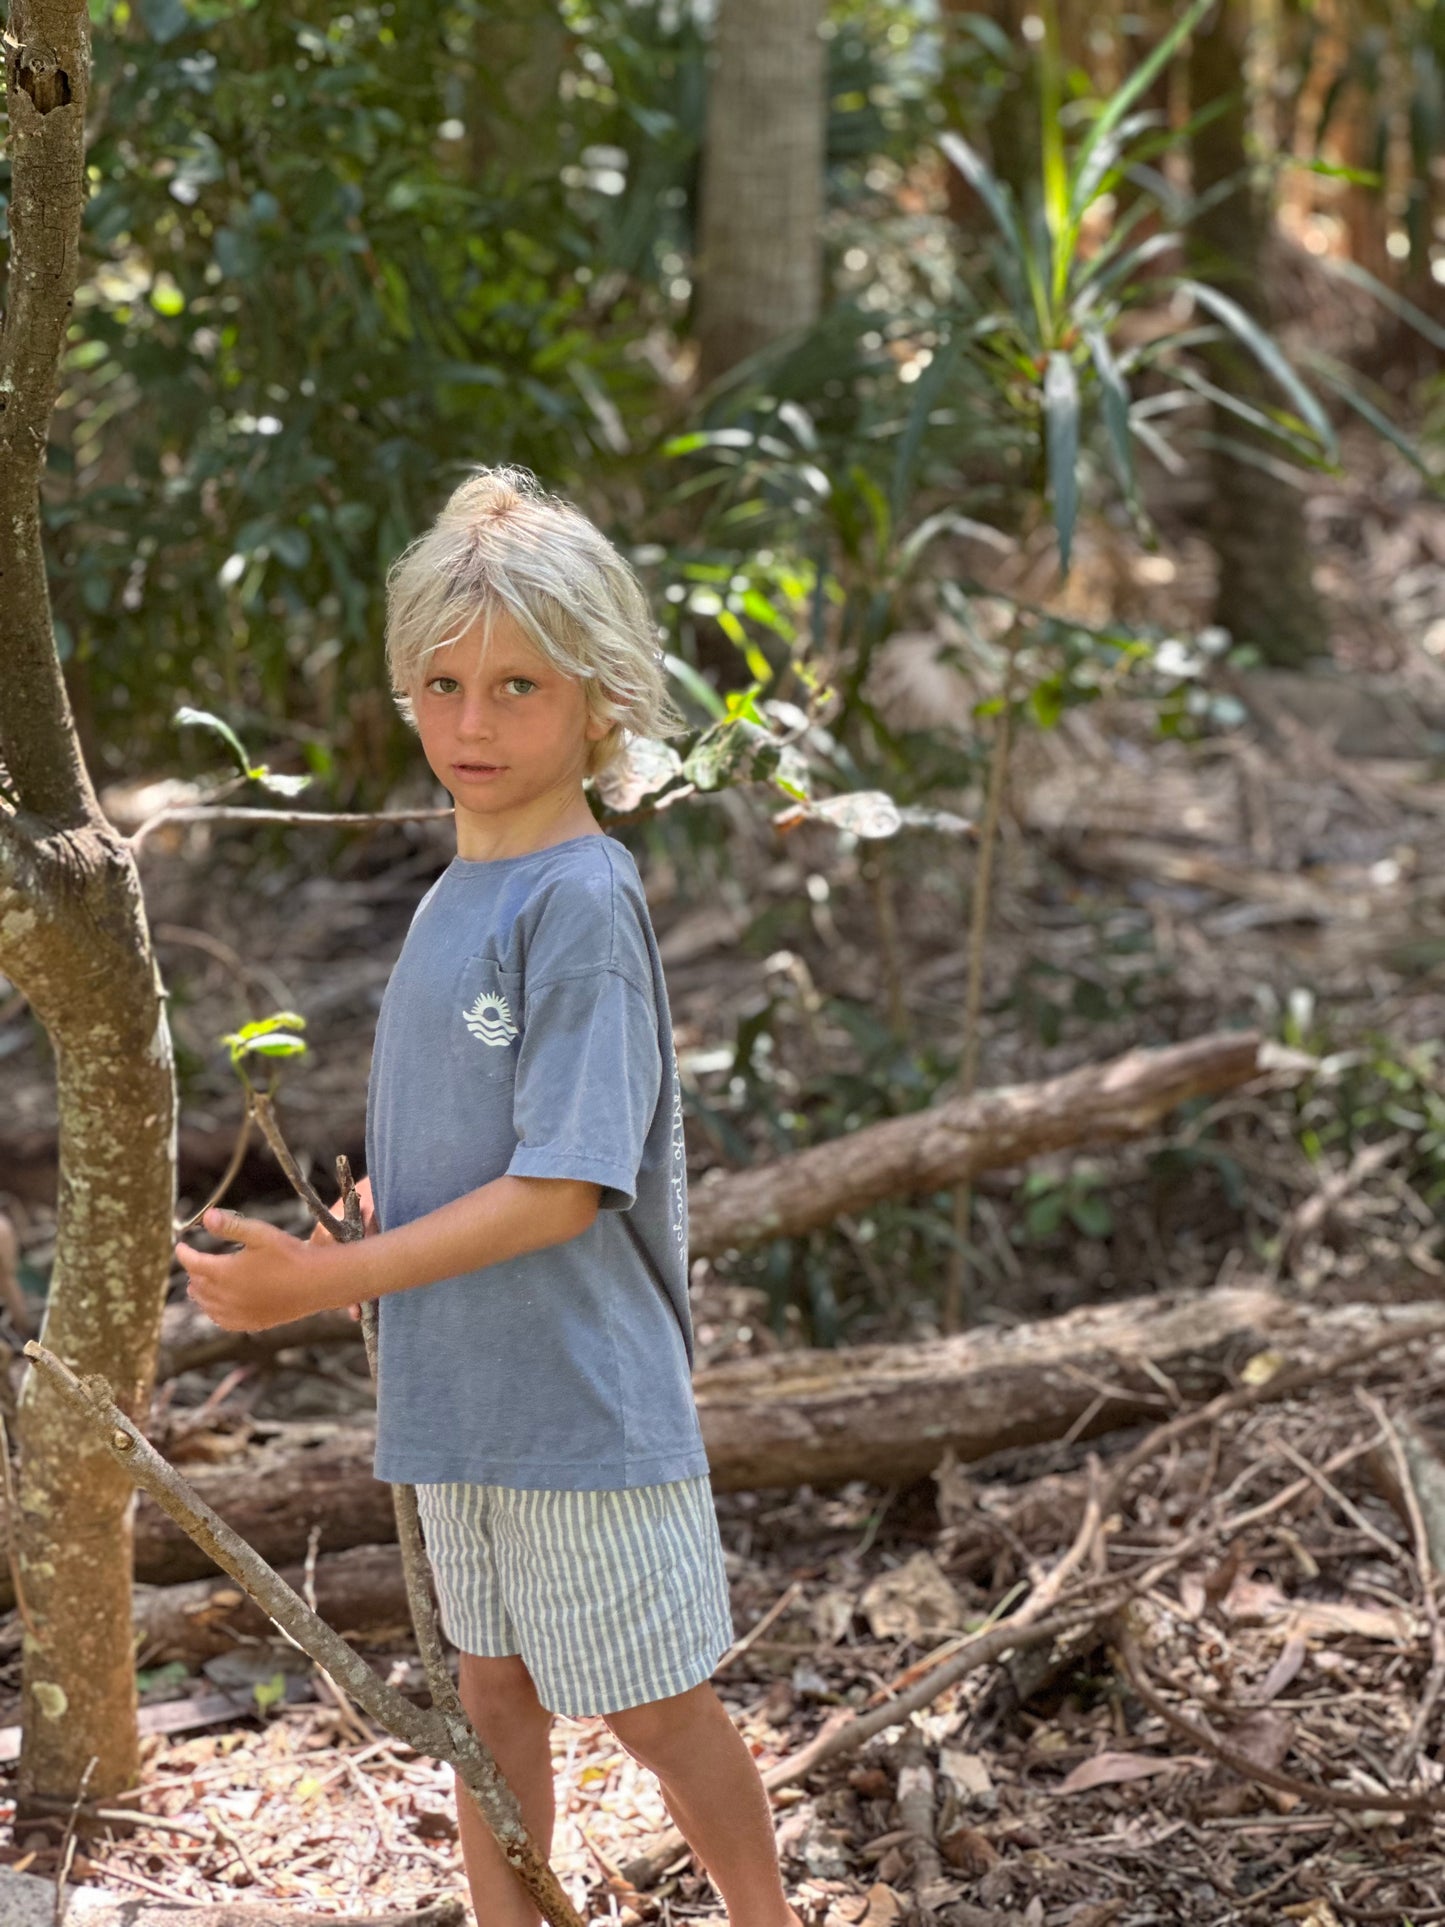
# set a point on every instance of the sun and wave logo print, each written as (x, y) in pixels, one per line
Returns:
(490, 1019)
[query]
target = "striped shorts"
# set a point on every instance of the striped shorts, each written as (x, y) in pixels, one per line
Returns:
(612, 1598)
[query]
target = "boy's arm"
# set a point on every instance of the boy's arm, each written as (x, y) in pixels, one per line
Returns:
(276, 1278)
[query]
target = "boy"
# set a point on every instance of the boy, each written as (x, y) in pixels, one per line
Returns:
(526, 1203)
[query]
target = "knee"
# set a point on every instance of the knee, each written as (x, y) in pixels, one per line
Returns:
(661, 1731)
(500, 1695)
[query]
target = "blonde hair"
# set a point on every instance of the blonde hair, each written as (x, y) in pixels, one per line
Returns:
(503, 545)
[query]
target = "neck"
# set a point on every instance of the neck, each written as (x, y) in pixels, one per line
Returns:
(484, 839)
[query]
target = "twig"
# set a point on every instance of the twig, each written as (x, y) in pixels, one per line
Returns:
(846, 1732)
(346, 1230)
(229, 1837)
(915, 1813)
(1308, 1217)
(1333, 1492)
(1127, 1654)
(1405, 1753)
(67, 1842)
(979, 906)
(774, 1612)
(238, 1151)
(127, 1816)
(234, 813)
(441, 1730)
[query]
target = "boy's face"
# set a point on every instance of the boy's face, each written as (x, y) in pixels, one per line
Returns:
(503, 729)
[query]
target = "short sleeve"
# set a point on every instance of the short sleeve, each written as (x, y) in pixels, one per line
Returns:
(589, 1071)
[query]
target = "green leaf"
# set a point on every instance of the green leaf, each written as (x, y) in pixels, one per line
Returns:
(927, 390)
(1061, 424)
(1116, 410)
(187, 715)
(696, 685)
(1091, 1213)
(278, 1020)
(1054, 168)
(280, 1043)
(268, 1691)
(281, 785)
(1046, 701)
(291, 546)
(1044, 1216)
(1138, 83)
(946, 521)
(1387, 297)
(1333, 171)
(715, 757)
(1269, 355)
(1367, 411)
(1017, 264)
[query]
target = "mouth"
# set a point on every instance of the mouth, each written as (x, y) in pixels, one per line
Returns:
(478, 769)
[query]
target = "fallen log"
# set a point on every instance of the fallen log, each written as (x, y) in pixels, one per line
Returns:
(930, 1150)
(190, 1342)
(946, 1144)
(881, 1412)
(886, 1413)
(361, 1591)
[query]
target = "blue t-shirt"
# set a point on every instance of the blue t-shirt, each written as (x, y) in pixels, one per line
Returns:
(525, 1030)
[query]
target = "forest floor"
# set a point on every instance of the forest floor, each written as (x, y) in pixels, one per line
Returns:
(1283, 1602)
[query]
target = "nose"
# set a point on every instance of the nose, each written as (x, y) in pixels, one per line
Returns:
(475, 725)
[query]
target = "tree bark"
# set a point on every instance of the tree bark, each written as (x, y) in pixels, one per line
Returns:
(73, 939)
(760, 253)
(1265, 595)
(886, 1413)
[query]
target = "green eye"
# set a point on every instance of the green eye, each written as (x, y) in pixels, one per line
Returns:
(526, 679)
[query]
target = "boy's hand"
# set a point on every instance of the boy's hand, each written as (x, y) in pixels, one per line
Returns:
(320, 1235)
(273, 1280)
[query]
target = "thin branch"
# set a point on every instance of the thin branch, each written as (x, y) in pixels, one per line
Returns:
(1429, 1579)
(200, 813)
(243, 1138)
(350, 1226)
(442, 1730)
(1249, 1768)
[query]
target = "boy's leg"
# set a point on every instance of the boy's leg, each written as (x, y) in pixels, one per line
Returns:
(502, 1704)
(716, 1795)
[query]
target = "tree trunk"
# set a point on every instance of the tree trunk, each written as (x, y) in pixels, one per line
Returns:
(1266, 595)
(760, 253)
(73, 939)
(886, 1413)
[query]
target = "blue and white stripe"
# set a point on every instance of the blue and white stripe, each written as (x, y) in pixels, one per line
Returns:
(613, 1598)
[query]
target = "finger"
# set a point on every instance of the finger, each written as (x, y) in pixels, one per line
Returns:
(353, 1311)
(236, 1228)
